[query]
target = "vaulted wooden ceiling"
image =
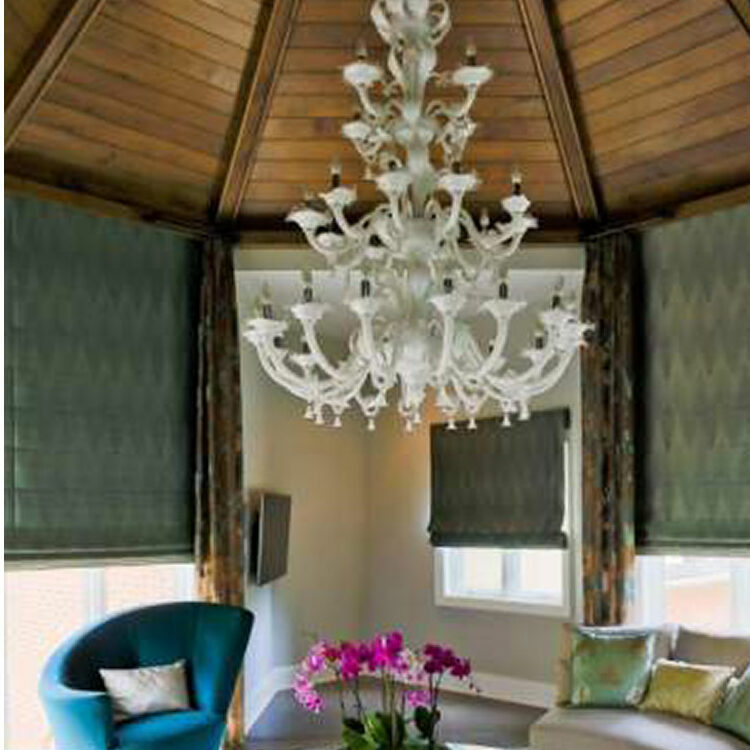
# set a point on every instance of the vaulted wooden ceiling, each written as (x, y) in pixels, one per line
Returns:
(219, 114)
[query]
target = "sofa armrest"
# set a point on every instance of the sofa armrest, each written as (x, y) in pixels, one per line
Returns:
(80, 719)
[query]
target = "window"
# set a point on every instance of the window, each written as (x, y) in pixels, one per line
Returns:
(44, 607)
(711, 593)
(524, 580)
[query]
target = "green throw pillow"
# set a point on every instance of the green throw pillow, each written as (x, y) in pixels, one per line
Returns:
(610, 670)
(733, 714)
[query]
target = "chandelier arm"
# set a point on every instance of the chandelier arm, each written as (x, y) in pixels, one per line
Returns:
(330, 255)
(311, 339)
(343, 224)
(280, 373)
(462, 110)
(448, 306)
(372, 109)
(489, 245)
(440, 11)
(342, 393)
(471, 404)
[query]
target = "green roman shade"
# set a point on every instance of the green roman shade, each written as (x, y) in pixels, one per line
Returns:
(500, 487)
(100, 351)
(694, 447)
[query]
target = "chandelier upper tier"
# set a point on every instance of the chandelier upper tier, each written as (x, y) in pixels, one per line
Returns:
(424, 271)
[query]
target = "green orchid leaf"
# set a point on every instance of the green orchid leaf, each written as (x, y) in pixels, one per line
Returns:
(354, 724)
(354, 740)
(378, 730)
(425, 721)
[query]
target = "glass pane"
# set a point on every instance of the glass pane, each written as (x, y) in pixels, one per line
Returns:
(42, 609)
(698, 591)
(128, 586)
(541, 573)
(482, 570)
(521, 575)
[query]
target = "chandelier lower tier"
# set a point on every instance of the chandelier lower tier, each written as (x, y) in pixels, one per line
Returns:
(422, 263)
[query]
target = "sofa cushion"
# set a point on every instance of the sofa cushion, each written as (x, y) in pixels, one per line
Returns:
(662, 650)
(179, 730)
(625, 729)
(610, 670)
(690, 690)
(696, 647)
(734, 712)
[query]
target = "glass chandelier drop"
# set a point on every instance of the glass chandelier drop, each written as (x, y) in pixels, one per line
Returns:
(421, 266)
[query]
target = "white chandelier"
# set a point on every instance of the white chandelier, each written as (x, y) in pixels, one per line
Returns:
(423, 265)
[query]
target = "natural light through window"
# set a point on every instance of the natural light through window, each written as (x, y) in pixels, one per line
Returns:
(711, 593)
(44, 607)
(522, 579)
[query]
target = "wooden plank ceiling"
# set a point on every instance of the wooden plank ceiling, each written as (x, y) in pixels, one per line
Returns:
(228, 111)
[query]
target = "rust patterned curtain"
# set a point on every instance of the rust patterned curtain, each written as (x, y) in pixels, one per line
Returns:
(608, 426)
(219, 499)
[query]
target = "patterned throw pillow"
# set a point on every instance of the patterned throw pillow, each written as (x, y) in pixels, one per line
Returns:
(610, 669)
(663, 645)
(689, 690)
(733, 714)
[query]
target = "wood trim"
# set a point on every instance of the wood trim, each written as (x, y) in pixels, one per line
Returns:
(741, 9)
(714, 202)
(556, 92)
(255, 104)
(724, 198)
(104, 206)
(50, 51)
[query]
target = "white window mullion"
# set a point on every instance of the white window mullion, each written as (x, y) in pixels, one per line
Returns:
(651, 594)
(95, 597)
(741, 594)
(511, 571)
(185, 582)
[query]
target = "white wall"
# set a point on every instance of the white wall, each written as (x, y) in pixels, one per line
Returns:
(324, 470)
(400, 569)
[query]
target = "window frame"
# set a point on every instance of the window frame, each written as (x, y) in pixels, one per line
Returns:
(512, 602)
(93, 584)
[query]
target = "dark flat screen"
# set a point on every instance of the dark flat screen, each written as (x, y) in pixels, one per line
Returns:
(273, 537)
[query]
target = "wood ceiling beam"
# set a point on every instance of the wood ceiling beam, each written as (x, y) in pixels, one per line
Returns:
(741, 9)
(255, 104)
(64, 30)
(556, 92)
(101, 206)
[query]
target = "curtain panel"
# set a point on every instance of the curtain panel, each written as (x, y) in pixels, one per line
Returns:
(497, 487)
(607, 378)
(695, 458)
(100, 325)
(220, 540)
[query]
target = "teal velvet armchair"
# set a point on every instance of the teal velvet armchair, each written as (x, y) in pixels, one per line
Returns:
(211, 638)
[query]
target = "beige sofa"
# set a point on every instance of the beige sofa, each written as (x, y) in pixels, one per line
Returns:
(568, 728)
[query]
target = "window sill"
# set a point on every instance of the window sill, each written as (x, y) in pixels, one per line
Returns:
(514, 606)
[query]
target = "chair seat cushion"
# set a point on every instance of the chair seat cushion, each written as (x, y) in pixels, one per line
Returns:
(625, 729)
(176, 730)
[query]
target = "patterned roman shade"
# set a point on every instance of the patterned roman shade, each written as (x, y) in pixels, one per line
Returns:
(695, 447)
(100, 342)
(496, 487)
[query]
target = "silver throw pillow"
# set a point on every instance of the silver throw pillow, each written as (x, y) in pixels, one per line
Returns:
(146, 690)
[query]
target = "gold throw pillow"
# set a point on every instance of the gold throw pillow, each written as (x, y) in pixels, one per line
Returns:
(689, 690)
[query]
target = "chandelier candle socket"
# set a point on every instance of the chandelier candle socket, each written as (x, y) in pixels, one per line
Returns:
(424, 267)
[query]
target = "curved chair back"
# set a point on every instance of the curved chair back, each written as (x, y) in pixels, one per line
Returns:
(211, 638)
